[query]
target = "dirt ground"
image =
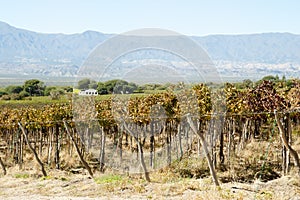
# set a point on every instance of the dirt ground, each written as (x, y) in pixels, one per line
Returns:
(62, 185)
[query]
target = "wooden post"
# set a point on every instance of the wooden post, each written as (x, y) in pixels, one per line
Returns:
(168, 141)
(57, 147)
(41, 141)
(49, 145)
(32, 149)
(102, 149)
(3, 166)
(204, 144)
(221, 148)
(286, 143)
(140, 150)
(78, 150)
(229, 137)
(288, 130)
(283, 163)
(151, 144)
(20, 160)
(120, 146)
(180, 142)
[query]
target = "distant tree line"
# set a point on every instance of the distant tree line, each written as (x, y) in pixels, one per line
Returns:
(279, 82)
(35, 87)
(108, 87)
(121, 86)
(118, 86)
(30, 88)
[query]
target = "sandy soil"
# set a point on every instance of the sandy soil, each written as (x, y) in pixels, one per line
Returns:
(65, 186)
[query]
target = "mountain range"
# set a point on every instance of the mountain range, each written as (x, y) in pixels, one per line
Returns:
(24, 52)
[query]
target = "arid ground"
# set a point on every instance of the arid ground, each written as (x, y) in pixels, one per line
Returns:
(62, 185)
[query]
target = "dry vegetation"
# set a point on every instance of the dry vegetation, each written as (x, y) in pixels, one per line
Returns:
(64, 185)
(246, 151)
(187, 179)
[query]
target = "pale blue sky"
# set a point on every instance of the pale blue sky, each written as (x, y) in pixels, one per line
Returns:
(190, 17)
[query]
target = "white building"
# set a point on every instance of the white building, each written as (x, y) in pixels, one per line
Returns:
(88, 92)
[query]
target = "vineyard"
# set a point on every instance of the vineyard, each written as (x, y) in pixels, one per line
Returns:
(144, 133)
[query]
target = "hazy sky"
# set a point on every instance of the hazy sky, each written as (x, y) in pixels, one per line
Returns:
(191, 17)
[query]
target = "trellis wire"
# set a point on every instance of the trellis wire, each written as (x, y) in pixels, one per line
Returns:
(224, 114)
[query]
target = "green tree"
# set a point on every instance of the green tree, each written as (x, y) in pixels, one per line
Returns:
(68, 89)
(130, 88)
(270, 78)
(34, 87)
(56, 93)
(121, 86)
(14, 89)
(24, 94)
(48, 90)
(102, 88)
(84, 84)
(93, 85)
(247, 83)
(114, 85)
(2, 92)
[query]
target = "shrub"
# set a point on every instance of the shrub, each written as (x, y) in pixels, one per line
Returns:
(55, 94)
(14, 89)
(5, 97)
(24, 94)
(28, 98)
(2, 93)
(16, 97)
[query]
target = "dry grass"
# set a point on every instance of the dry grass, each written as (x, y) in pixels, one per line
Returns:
(64, 185)
(188, 179)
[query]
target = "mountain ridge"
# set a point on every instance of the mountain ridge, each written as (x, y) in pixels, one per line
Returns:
(28, 52)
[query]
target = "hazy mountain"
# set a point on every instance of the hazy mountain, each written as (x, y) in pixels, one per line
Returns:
(19, 43)
(27, 52)
(266, 47)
